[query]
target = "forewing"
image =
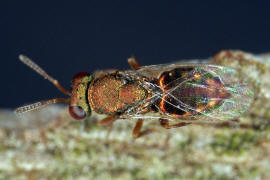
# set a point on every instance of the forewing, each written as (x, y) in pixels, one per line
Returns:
(240, 94)
(230, 107)
(156, 70)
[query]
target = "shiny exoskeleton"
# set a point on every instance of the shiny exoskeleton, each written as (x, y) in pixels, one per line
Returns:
(199, 98)
(177, 94)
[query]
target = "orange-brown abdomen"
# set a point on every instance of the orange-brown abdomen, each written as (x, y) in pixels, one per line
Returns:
(187, 92)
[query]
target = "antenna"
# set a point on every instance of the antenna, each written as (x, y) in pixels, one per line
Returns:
(41, 72)
(38, 105)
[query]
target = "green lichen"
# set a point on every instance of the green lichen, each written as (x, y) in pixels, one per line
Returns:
(234, 143)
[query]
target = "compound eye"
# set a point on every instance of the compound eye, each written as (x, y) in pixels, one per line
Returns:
(77, 112)
(80, 75)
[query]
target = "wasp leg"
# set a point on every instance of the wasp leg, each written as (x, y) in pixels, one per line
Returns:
(134, 64)
(107, 121)
(109, 131)
(165, 123)
(136, 133)
(166, 143)
(137, 129)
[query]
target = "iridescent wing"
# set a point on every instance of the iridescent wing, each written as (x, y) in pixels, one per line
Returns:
(202, 92)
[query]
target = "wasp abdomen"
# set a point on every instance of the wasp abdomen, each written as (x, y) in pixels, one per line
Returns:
(188, 92)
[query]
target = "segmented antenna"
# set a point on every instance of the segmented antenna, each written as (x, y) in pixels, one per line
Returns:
(38, 105)
(40, 71)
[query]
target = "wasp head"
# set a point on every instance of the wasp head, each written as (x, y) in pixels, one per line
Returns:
(79, 107)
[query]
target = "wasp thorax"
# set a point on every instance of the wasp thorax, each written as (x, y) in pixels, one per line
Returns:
(79, 108)
(112, 95)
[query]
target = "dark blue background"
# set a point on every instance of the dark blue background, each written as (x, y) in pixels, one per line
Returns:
(65, 38)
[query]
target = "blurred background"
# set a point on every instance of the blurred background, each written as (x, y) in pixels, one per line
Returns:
(65, 38)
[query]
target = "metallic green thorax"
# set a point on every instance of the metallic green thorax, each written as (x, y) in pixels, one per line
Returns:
(79, 89)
